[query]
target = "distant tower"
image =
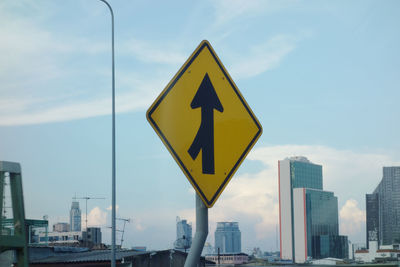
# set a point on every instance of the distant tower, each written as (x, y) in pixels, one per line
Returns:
(75, 217)
(183, 234)
(228, 238)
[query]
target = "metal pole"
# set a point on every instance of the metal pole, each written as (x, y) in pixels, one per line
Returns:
(113, 139)
(201, 234)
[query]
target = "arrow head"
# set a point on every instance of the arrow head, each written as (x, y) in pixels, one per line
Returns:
(206, 97)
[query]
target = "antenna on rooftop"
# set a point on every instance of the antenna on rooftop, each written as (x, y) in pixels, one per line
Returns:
(86, 199)
(123, 229)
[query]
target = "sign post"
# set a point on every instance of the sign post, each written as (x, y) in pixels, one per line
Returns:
(207, 126)
(201, 233)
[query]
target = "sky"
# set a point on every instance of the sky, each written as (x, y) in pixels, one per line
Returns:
(322, 77)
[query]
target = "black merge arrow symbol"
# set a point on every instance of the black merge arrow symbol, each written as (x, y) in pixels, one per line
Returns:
(206, 98)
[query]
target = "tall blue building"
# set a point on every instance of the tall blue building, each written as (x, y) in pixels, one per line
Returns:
(309, 225)
(228, 238)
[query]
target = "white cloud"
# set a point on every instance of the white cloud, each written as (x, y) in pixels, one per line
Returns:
(110, 208)
(249, 199)
(226, 11)
(36, 111)
(26, 56)
(352, 218)
(265, 56)
(252, 199)
(33, 63)
(32, 55)
(36, 74)
(97, 217)
(138, 225)
(137, 93)
(233, 15)
(153, 228)
(347, 173)
(152, 53)
(19, 108)
(38, 81)
(33, 68)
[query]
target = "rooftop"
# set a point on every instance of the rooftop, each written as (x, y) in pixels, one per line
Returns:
(300, 158)
(53, 255)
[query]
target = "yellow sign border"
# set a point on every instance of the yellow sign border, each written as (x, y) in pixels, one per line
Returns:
(153, 107)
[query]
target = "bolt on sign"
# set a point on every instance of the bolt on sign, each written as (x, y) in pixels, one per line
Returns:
(204, 121)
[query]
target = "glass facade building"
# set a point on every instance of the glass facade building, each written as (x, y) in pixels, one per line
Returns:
(228, 238)
(309, 224)
(327, 245)
(75, 217)
(322, 220)
(372, 208)
(383, 208)
(305, 174)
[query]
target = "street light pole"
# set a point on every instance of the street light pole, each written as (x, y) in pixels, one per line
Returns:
(113, 139)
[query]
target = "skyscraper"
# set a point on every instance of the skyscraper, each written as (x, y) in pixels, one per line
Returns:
(308, 215)
(75, 217)
(228, 238)
(383, 209)
(183, 234)
(92, 235)
(372, 208)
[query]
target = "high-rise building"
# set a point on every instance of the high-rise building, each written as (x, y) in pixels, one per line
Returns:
(183, 234)
(308, 216)
(372, 208)
(228, 238)
(92, 235)
(75, 217)
(383, 209)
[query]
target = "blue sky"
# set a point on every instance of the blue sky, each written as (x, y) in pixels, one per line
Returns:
(321, 76)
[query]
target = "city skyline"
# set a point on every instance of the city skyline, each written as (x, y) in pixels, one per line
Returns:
(321, 77)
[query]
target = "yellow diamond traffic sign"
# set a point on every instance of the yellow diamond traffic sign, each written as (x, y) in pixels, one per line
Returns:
(205, 123)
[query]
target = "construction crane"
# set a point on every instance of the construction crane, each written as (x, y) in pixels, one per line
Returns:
(123, 229)
(86, 199)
